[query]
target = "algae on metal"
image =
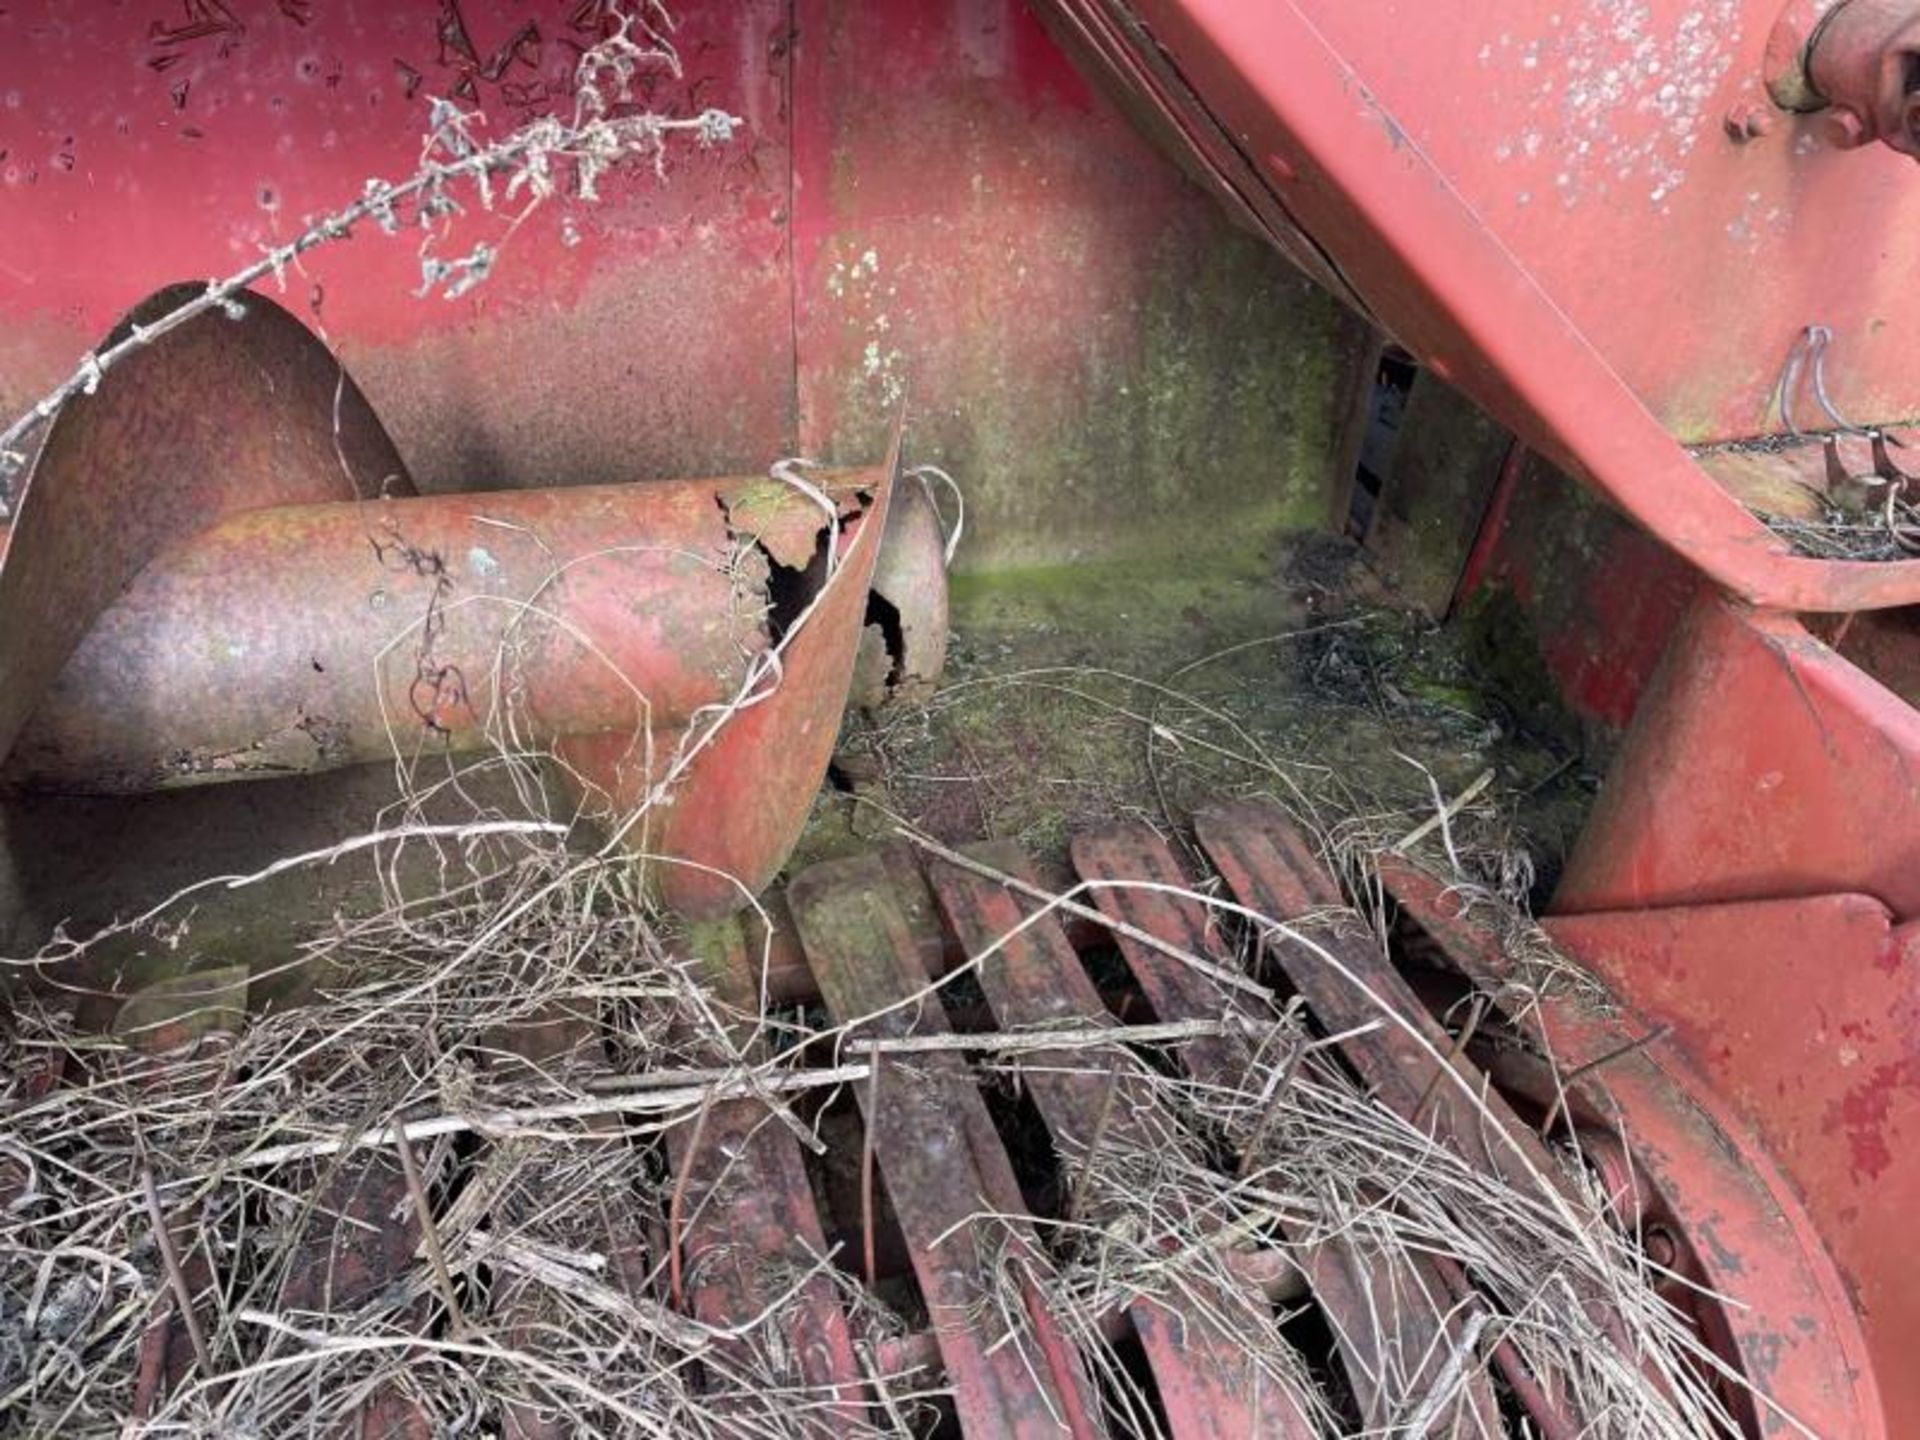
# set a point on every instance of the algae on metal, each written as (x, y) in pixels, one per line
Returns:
(1208, 413)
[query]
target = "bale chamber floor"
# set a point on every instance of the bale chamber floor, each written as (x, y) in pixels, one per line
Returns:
(463, 1139)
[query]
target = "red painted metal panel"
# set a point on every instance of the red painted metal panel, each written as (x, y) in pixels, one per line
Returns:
(919, 200)
(1447, 285)
(1761, 765)
(1108, 41)
(1590, 139)
(1805, 1015)
(148, 143)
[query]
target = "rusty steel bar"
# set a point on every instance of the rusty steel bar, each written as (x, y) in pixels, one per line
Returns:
(751, 1221)
(1352, 1287)
(205, 591)
(1271, 868)
(935, 1145)
(1207, 1384)
(685, 648)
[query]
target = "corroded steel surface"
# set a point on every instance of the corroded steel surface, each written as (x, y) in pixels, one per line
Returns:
(307, 637)
(1039, 293)
(215, 417)
(602, 620)
(974, 226)
(1207, 1385)
(636, 629)
(1793, 1324)
(1812, 1036)
(147, 143)
(1356, 1283)
(1267, 864)
(933, 1141)
(903, 656)
(1688, 1177)
(1860, 59)
(746, 1221)
(519, 1181)
(745, 773)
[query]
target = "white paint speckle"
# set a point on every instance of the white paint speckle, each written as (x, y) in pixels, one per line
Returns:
(1628, 86)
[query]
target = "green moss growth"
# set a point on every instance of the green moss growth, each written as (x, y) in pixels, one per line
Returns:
(1080, 695)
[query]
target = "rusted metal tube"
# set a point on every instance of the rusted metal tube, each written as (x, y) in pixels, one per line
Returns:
(306, 637)
(685, 649)
(208, 593)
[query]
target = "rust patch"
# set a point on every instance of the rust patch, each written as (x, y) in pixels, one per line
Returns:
(1863, 1113)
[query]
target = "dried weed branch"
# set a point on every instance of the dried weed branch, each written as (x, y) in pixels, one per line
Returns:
(549, 157)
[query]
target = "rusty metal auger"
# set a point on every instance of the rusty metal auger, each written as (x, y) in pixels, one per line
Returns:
(220, 569)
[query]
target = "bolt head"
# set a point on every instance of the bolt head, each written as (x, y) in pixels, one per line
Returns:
(1748, 121)
(1843, 128)
(1660, 1246)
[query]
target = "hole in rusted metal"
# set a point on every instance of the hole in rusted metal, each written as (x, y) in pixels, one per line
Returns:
(789, 592)
(884, 615)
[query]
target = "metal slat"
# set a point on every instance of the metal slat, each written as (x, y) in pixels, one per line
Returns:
(750, 1217)
(1353, 1290)
(1273, 871)
(1130, 851)
(1206, 1383)
(751, 1227)
(349, 1247)
(943, 1165)
(556, 1040)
